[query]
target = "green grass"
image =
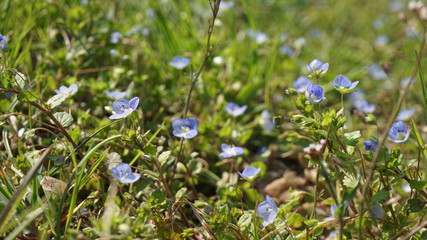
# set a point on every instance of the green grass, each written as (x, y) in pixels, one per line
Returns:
(191, 191)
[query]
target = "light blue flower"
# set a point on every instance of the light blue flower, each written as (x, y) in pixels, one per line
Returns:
(317, 68)
(398, 132)
(343, 84)
(266, 121)
(185, 128)
(3, 42)
(381, 40)
(115, 94)
(113, 52)
(123, 173)
(301, 84)
(249, 172)
(377, 72)
(406, 81)
(234, 109)
(314, 93)
(267, 210)
(123, 107)
(405, 114)
(179, 62)
(72, 89)
(223, 5)
(115, 37)
(258, 36)
(364, 106)
(229, 151)
(285, 49)
(377, 210)
(371, 145)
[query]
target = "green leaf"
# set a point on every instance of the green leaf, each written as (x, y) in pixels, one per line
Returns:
(350, 181)
(64, 118)
(380, 196)
(416, 205)
(56, 100)
(352, 138)
(27, 96)
(245, 221)
(418, 185)
(164, 156)
(181, 193)
(311, 223)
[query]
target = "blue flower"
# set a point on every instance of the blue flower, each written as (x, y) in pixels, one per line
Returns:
(257, 35)
(115, 94)
(314, 93)
(267, 210)
(234, 109)
(266, 121)
(249, 172)
(229, 151)
(317, 68)
(405, 114)
(381, 40)
(226, 5)
(123, 107)
(185, 128)
(398, 132)
(115, 37)
(113, 52)
(285, 49)
(364, 106)
(343, 84)
(378, 211)
(377, 72)
(123, 173)
(371, 145)
(301, 84)
(3, 42)
(72, 89)
(179, 62)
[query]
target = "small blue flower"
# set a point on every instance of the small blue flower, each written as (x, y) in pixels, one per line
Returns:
(406, 81)
(364, 106)
(405, 114)
(115, 37)
(266, 121)
(343, 84)
(317, 68)
(267, 210)
(378, 211)
(185, 128)
(301, 84)
(72, 89)
(377, 72)
(123, 173)
(398, 132)
(314, 93)
(371, 145)
(229, 151)
(258, 36)
(179, 62)
(115, 94)
(381, 40)
(113, 52)
(234, 109)
(226, 5)
(285, 49)
(123, 107)
(249, 172)
(3, 42)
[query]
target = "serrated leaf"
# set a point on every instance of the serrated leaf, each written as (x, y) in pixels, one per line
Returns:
(164, 156)
(245, 221)
(64, 118)
(380, 196)
(56, 100)
(27, 96)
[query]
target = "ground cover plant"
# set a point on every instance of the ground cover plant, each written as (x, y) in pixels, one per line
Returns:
(174, 119)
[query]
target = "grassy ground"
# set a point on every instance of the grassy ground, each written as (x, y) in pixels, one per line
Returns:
(58, 150)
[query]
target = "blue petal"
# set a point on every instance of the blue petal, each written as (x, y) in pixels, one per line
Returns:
(120, 105)
(133, 103)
